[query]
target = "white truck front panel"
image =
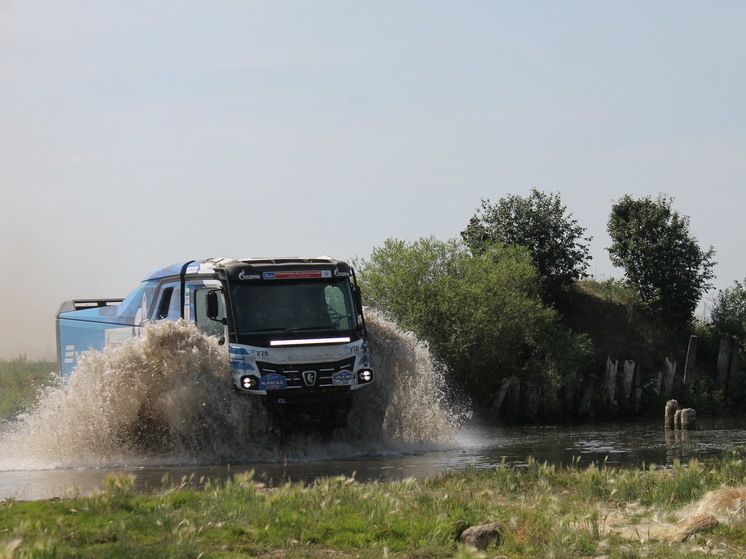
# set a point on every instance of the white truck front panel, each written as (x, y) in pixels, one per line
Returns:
(288, 367)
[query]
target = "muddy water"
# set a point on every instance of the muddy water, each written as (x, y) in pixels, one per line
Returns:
(632, 445)
(162, 403)
(160, 407)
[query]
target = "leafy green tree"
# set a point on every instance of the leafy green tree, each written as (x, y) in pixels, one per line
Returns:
(728, 313)
(541, 224)
(481, 314)
(651, 241)
(728, 320)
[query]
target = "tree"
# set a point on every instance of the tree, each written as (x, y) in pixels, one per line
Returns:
(481, 314)
(728, 314)
(661, 259)
(539, 223)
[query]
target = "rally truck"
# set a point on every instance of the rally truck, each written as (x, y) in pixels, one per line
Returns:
(293, 328)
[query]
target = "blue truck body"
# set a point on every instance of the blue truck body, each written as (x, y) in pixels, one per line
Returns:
(293, 328)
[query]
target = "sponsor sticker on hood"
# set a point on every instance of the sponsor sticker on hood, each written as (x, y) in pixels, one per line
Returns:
(297, 274)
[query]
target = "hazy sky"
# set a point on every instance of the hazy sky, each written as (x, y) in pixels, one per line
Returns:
(141, 133)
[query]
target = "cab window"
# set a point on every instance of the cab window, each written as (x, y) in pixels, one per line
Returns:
(339, 307)
(207, 325)
(168, 306)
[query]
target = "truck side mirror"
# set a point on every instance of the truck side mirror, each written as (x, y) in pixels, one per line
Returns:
(213, 305)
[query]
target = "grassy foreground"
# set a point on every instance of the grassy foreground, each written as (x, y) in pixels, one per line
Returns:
(542, 512)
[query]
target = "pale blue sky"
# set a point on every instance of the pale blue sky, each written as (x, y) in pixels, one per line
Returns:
(136, 134)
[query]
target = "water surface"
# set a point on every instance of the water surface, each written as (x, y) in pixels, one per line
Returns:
(627, 445)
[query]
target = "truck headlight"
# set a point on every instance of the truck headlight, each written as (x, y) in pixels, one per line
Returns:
(249, 382)
(365, 375)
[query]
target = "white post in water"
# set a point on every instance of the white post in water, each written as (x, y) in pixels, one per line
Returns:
(668, 419)
(688, 419)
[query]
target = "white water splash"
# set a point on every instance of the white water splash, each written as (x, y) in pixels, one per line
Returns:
(166, 397)
(408, 403)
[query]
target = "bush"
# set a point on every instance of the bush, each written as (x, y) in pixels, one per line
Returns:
(481, 314)
(707, 399)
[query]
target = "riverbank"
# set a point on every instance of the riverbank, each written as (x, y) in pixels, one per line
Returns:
(536, 511)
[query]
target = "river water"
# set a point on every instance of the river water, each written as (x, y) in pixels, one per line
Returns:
(160, 406)
(629, 445)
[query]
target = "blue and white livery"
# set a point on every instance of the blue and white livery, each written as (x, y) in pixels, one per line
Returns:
(293, 327)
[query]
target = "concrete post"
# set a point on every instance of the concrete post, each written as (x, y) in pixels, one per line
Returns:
(689, 370)
(668, 376)
(688, 419)
(610, 381)
(668, 420)
(724, 353)
(627, 378)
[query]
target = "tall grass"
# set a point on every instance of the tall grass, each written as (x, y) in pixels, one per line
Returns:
(20, 381)
(611, 290)
(543, 511)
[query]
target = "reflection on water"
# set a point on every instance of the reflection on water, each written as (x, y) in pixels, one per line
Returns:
(632, 445)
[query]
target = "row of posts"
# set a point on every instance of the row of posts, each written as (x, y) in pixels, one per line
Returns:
(674, 418)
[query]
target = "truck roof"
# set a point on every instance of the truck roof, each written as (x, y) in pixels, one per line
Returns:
(209, 265)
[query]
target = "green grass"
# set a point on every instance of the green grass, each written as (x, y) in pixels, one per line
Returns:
(545, 511)
(20, 381)
(611, 290)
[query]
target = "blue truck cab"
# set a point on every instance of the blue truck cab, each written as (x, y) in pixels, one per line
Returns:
(293, 328)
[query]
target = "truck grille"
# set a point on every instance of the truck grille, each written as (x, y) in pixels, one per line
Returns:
(293, 372)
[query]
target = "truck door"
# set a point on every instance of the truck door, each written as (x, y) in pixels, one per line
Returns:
(207, 325)
(168, 305)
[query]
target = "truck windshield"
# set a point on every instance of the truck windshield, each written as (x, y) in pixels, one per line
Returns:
(293, 306)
